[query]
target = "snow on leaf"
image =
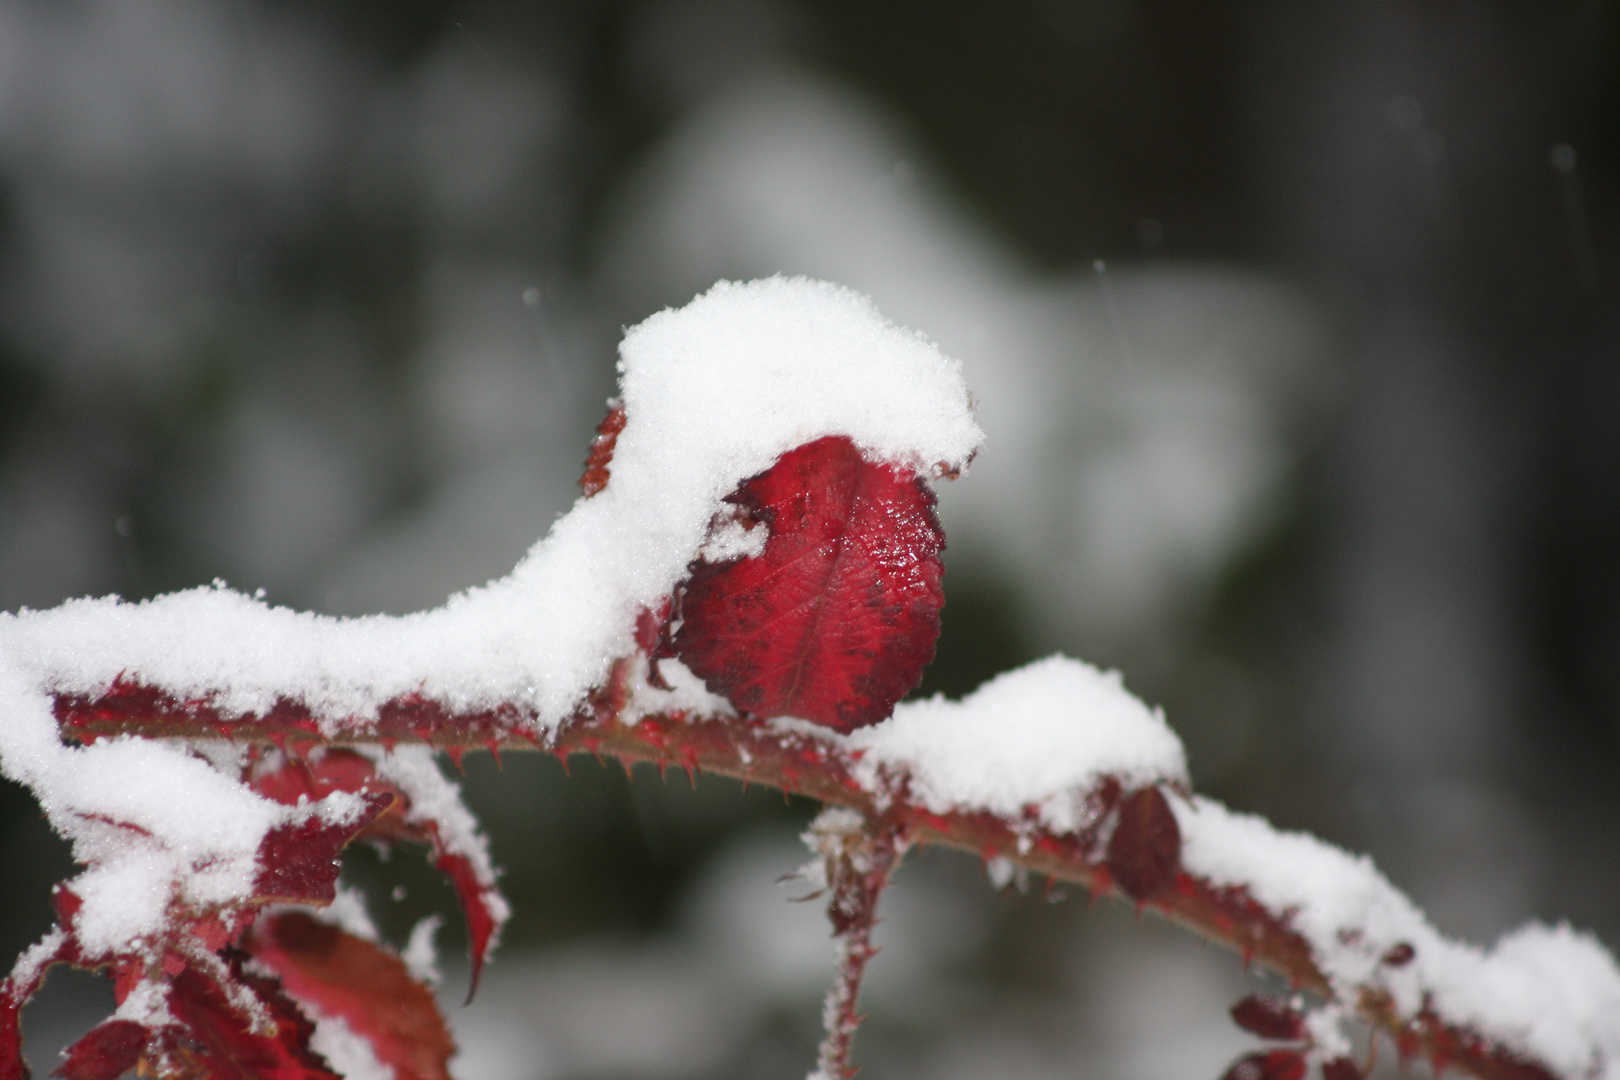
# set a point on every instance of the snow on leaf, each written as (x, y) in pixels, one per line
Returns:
(298, 861)
(420, 806)
(213, 1038)
(835, 620)
(105, 1052)
(1145, 851)
(369, 989)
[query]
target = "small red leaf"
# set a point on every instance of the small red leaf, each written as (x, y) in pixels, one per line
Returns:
(369, 989)
(1267, 1065)
(1145, 851)
(213, 1040)
(1269, 1018)
(476, 906)
(835, 620)
(1341, 1069)
(298, 862)
(105, 1052)
(601, 452)
(1400, 954)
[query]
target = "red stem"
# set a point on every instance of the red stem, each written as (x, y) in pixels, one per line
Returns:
(800, 764)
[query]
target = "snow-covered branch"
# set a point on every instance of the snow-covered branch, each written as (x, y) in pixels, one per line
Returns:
(748, 587)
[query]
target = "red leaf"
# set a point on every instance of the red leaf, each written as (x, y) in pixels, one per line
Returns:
(356, 981)
(1341, 1069)
(214, 1040)
(1267, 1065)
(1400, 954)
(1145, 850)
(105, 1052)
(835, 620)
(344, 770)
(298, 863)
(475, 906)
(12, 1065)
(601, 452)
(1269, 1018)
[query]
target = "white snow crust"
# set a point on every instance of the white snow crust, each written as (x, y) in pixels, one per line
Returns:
(1040, 737)
(1548, 992)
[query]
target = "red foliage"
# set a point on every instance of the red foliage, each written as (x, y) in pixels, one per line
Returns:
(835, 620)
(1267, 1065)
(329, 770)
(367, 988)
(1341, 1069)
(596, 473)
(1145, 851)
(105, 1052)
(1269, 1018)
(214, 1039)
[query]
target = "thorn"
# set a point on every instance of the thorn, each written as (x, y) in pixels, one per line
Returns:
(691, 775)
(495, 749)
(456, 753)
(280, 739)
(562, 759)
(663, 769)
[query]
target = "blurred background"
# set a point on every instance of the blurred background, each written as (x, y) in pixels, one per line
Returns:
(1293, 328)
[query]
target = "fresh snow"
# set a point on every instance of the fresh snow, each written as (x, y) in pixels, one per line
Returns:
(713, 392)
(1036, 737)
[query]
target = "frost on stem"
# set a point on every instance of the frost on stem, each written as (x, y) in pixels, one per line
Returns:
(856, 858)
(209, 756)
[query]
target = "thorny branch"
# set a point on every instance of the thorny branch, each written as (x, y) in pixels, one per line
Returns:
(857, 857)
(817, 766)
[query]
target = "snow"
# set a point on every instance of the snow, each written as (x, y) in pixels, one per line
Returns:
(1039, 736)
(1549, 993)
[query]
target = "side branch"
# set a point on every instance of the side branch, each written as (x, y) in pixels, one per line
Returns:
(816, 764)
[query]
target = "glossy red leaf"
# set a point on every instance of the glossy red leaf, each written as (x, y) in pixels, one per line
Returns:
(366, 987)
(105, 1052)
(835, 620)
(1267, 1065)
(1269, 1018)
(298, 862)
(1145, 851)
(213, 1039)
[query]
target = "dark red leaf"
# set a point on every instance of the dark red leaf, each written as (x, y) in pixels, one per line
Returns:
(835, 620)
(601, 452)
(1145, 851)
(369, 989)
(1267, 1065)
(12, 1065)
(213, 1040)
(1341, 1069)
(475, 906)
(105, 1052)
(298, 863)
(1400, 954)
(344, 770)
(1269, 1018)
